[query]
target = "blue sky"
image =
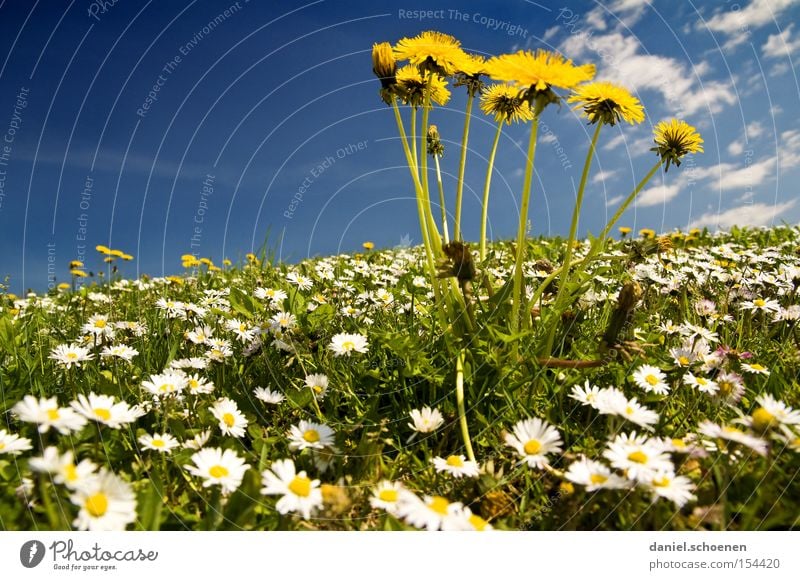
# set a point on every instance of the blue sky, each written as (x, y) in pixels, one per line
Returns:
(163, 128)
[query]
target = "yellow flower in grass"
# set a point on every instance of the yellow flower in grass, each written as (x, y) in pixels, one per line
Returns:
(538, 71)
(126, 257)
(117, 253)
(674, 139)
(607, 103)
(433, 51)
(75, 264)
(412, 87)
(506, 103)
(78, 273)
(103, 249)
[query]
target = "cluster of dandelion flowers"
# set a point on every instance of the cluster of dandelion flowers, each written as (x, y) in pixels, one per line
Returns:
(506, 103)
(538, 71)
(411, 87)
(607, 103)
(674, 139)
(434, 51)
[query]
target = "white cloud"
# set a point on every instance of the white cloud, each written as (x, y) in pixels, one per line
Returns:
(614, 200)
(737, 23)
(735, 148)
(657, 195)
(755, 130)
(779, 68)
(781, 45)
(550, 33)
(614, 142)
(621, 62)
(548, 137)
(594, 18)
(751, 214)
(602, 176)
(729, 176)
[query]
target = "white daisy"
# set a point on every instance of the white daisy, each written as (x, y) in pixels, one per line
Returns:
(586, 395)
(198, 441)
(107, 503)
(387, 495)
(121, 351)
(71, 354)
(99, 326)
(637, 455)
(13, 444)
(771, 413)
(651, 379)
(46, 413)
(534, 439)
(218, 467)
(429, 513)
(299, 280)
(730, 433)
(300, 493)
(167, 383)
(457, 466)
(344, 344)
(426, 420)
(198, 385)
(676, 488)
(231, 420)
(63, 468)
(106, 410)
(318, 383)
(308, 435)
(702, 384)
(594, 475)
(161, 442)
(755, 368)
(268, 396)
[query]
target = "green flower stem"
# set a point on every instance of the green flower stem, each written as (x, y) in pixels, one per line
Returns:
(445, 233)
(433, 231)
(573, 230)
(462, 165)
(462, 414)
(419, 194)
(599, 242)
(414, 138)
(519, 290)
(486, 187)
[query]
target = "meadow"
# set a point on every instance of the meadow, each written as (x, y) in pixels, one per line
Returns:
(320, 396)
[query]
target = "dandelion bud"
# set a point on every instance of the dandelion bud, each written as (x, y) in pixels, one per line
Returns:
(435, 146)
(384, 66)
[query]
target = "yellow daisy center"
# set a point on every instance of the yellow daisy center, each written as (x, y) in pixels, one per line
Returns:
(301, 486)
(311, 435)
(663, 482)
(52, 414)
(679, 443)
(638, 457)
(757, 367)
(455, 461)
(72, 356)
(218, 471)
(683, 360)
(70, 472)
(763, 419)
(478, 522)
(2, 445)
(759, 302)
(103, 414)
(439, 504)
(701, 381)
(158, 443)
(348, 345)
(388, 495)
(228, 419)
(652, 380)
(725, 387)
(97, 504)
(193, 383)
(99, 323)
(532, 447)
(598, 478)
(629, 410)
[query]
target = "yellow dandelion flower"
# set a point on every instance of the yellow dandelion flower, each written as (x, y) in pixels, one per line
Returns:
(206, 261)
(74, 264)
(227, 262)
(103, 249)
(624, 230)
(433, 51)
(674, 139)
(607, 103)
(538, 70)
(647, 233)
(368, 245)
(506, 103)
(78, 273)
(127, 257)
(117, 253)
(188, 257)
(109, 259)
(63, 286)
(412, 87)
